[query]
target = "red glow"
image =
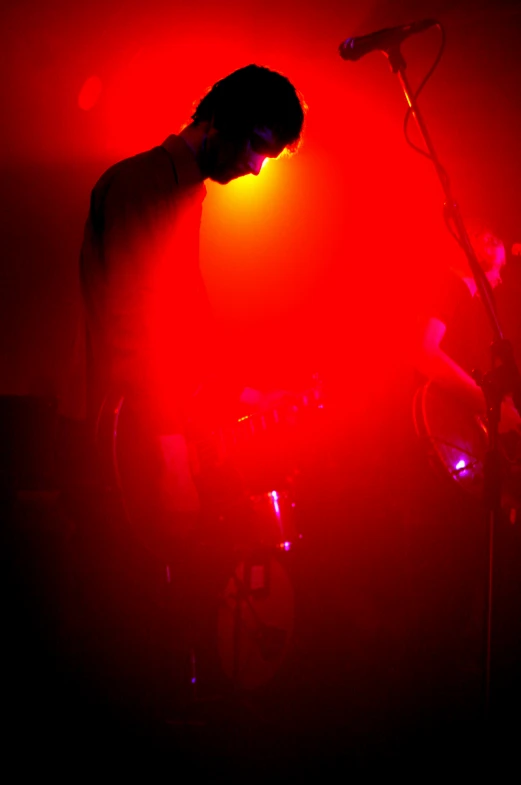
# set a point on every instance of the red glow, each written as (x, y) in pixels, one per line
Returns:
(90, 92)
(325, 255)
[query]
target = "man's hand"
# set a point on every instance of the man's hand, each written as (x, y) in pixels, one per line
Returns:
(510, 419)
(264, 401)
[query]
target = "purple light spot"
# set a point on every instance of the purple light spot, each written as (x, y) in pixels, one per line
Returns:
(193, 680)
(460, 465)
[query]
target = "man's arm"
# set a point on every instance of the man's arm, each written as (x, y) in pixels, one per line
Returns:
(434, 363)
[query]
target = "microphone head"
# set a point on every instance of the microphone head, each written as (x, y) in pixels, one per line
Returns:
(382, 40)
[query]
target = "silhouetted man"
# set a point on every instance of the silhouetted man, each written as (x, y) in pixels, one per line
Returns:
(150, 333)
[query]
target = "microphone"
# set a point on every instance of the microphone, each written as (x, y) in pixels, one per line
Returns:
(382, 40)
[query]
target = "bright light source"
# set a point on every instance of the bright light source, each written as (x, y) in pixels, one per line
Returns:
(275, 497)
(460, 465)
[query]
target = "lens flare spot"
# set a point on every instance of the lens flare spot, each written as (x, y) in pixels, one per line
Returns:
(90, 92)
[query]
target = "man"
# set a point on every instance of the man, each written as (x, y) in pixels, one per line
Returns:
(150, 334)
(455, 334)
(447, 534)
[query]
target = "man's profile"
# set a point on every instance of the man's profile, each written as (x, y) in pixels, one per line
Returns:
(250, 115)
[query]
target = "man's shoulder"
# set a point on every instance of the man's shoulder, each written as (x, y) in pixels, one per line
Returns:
(141, 165)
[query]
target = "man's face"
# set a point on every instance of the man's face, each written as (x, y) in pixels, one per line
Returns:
(490, 253)
(229, 159)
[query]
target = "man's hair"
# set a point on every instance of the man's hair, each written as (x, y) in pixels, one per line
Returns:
(254, 96)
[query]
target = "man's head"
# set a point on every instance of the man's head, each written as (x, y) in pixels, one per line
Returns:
(252, 114)
(489, 250)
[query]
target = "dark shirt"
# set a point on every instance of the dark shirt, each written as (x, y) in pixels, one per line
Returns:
(468, 335)
(149, 322)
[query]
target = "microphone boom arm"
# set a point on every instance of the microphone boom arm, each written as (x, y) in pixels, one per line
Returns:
(398, 66)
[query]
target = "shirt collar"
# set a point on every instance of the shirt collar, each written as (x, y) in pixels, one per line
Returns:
(186, 167)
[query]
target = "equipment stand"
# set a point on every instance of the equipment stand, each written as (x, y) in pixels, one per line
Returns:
(503, 377)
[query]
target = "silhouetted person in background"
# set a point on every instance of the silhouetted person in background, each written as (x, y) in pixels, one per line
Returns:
(450, 561)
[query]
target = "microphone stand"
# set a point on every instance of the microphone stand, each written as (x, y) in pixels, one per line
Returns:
(503, 377)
